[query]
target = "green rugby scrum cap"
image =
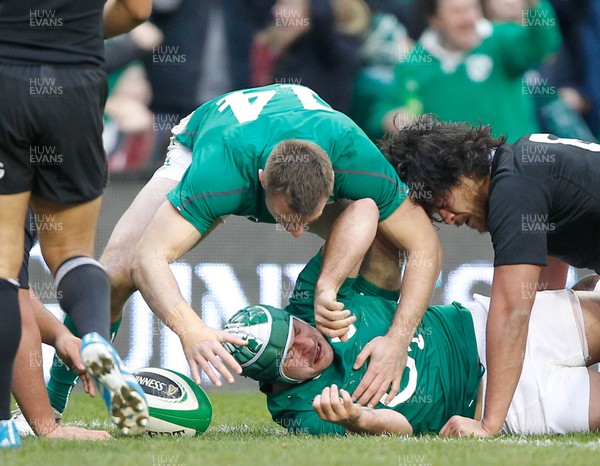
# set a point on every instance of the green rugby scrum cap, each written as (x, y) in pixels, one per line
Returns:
(268, 331)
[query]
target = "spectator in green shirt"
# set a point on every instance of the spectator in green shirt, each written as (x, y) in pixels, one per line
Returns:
(465, 68)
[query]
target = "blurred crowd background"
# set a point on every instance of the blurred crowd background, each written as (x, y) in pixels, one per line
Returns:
(522, 66)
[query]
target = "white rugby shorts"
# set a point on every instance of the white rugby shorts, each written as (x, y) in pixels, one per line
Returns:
(553, 394)
(177, 161)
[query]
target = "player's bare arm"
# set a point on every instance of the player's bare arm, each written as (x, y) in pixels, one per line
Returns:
(409, 229)
(121, 16)
(348, 242)
(335, 405)
(152, 275)
(513, 293)
(553, 276)
(67, 345)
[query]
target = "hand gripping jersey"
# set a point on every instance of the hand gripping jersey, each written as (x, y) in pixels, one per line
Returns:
(442, 374)
(232, 136)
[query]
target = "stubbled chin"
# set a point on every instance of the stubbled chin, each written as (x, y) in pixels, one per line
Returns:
(481, 227)
(326, 356)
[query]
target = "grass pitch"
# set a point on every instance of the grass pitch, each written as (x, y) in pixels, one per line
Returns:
(242, 433)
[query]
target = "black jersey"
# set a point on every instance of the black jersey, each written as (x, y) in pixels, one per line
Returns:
(545, 200)
(58, 32)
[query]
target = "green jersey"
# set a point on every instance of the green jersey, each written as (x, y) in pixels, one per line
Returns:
(486, 84)
(442, 374)
(231, 138)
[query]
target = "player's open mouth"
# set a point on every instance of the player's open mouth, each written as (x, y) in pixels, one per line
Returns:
(317, 353)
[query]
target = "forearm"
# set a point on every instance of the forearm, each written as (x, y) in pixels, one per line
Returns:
(409, 229)
(349, 240)
(50, 328)
(120, 52)
(513, 294)
(540, 32)
(28, 381)
(378, 422)
(545, 35)
(122, 16)
(506, 342)
(401, 102)
(418, 282)
(159, 289)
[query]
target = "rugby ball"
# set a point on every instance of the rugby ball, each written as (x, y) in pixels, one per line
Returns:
(177, 406)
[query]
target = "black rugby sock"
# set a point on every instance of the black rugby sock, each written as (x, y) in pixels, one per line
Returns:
(83, 292)
(10, 336)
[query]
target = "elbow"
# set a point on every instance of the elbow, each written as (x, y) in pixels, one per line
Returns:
(147, 260)
(121, 16)
(137, 20)
(514, 318)
(367, 207)
(141, 12)
(519, 317)
(137, 267)
(369, 213)
(366, 211)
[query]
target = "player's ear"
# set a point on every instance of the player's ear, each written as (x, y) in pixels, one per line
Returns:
(261, 177)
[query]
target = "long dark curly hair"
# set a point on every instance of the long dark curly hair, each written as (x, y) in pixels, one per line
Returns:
(431, 156)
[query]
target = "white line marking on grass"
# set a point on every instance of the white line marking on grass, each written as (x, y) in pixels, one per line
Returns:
(522, 440)
(558, 441)
(246, 429)
(94, 425)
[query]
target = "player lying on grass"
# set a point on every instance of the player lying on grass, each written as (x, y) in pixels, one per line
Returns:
(308, 379)
(273, 154)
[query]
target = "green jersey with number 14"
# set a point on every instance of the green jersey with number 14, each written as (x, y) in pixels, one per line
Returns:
(442, 373)
(232, 136)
